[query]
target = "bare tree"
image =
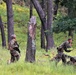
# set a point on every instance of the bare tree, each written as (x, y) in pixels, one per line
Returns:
(31, 9)
(10, 21)
(42, 30)
(50, 41)
(2, 33)
(42, 16)
(56, 4)
(31, 47)
(40, 13)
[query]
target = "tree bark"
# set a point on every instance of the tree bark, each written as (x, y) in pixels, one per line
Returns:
(10, 21)
(42, 16)
(42, 30)
(31, 47)
(56, 3)
(42, 38)
(2, 33)
(40, 13)
(70, 33)
(31, 9)
(50, 41)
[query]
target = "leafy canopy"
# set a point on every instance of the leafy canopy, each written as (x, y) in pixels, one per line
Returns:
(64, 24)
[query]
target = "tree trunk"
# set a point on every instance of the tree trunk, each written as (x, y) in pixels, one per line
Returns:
(31, 47)
(2, 33)
(43, 20)
(50, 41)
(56, 3)
(42, 16)
(42, 38)
(31, 9)
(40, 13)
(42, 30)
(10, 21)
(70, 33)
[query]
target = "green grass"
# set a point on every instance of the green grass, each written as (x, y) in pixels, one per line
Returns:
(42, 66)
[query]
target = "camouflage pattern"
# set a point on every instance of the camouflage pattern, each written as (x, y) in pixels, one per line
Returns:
(15, 54)
(60, 50)
(72, 61)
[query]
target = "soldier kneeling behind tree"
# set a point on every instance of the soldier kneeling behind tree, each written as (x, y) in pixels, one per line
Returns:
(14, 49)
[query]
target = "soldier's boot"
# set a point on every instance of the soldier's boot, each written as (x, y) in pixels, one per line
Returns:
(64, 59)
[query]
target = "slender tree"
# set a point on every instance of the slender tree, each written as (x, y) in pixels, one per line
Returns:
(40, 13)
(50, 41)
(2, 33)
(10, 21)
(56, 4)
(42, 30)
(31, 9)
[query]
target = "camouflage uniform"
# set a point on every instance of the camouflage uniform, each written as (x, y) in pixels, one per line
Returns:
(72, 61)
(60, 50)
(14, 50)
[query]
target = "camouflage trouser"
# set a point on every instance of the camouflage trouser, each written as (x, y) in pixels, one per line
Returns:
(72, 61)
(14, 55)
(61, 56)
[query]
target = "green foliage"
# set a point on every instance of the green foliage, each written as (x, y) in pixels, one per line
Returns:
(68, 3)
(71, 7)
(64, 24)
(20, 14)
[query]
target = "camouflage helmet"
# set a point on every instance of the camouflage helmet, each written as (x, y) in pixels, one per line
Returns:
(13, 36)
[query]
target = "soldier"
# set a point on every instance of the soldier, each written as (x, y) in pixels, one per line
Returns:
(14, 49)
(60, 50)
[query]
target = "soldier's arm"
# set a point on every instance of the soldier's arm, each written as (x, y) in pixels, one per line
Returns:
(65, 48)
(68, 50)
(16, 44)
(17, 49)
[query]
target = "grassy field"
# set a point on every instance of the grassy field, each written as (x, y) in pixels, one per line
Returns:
(42, 66)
